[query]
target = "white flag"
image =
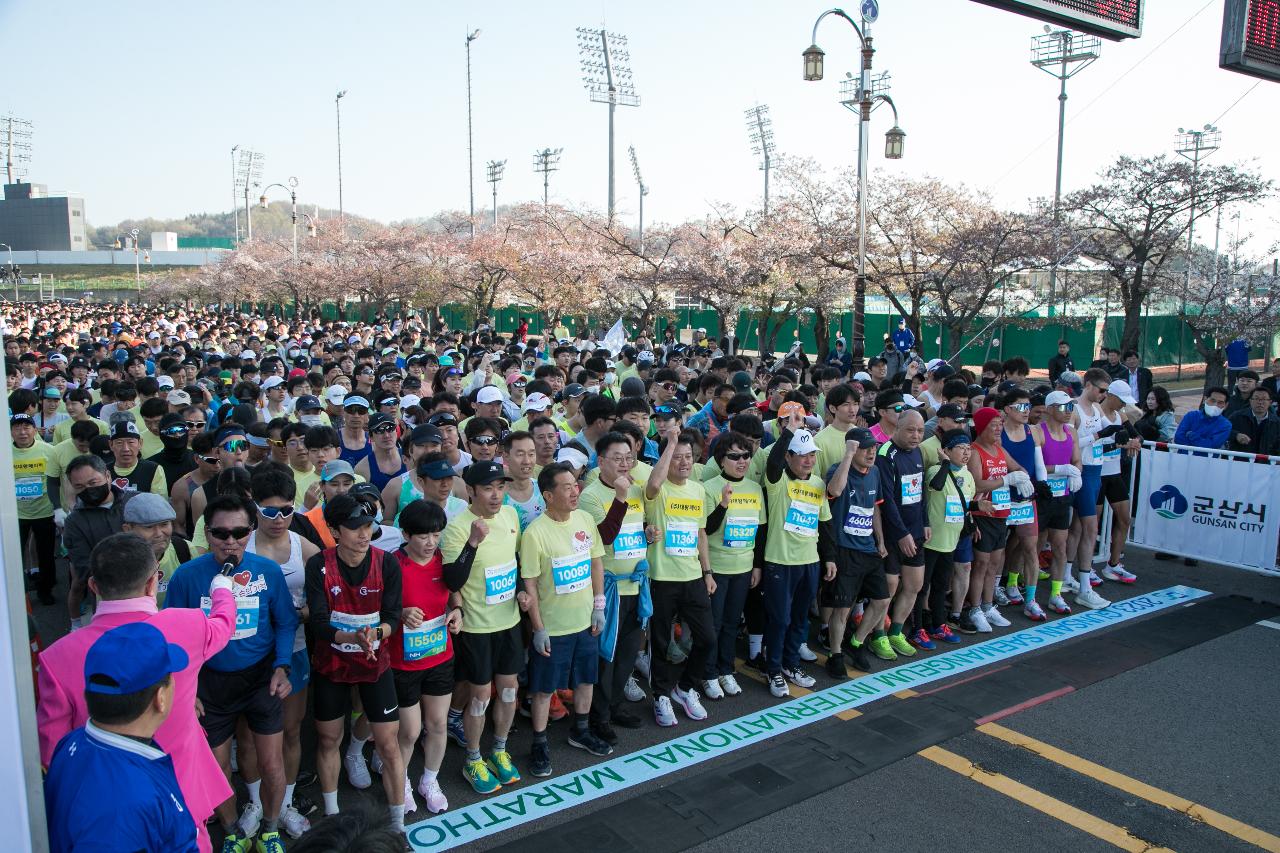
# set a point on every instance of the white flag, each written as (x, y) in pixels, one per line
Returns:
(616, 338)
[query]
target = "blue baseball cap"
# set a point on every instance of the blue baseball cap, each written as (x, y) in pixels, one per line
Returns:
(130, 659)
(437, 469)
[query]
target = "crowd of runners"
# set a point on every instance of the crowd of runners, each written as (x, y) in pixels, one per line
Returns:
(406, 534)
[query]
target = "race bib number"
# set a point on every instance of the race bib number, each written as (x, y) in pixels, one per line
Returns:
(912, 488)
(353, 622)
(425, 641)
(1096, 452)
(802, 511)
(1000, 498)
(500, 583)
(630, 543)
(953, 512)
(1021, 513)
(1057, 486)
(857, 522)
(740, 531)
(681, 539)
(571, 574)
(247, 614)
(29, 488)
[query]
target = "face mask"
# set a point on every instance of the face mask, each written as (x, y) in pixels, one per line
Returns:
(1212, 411)
(95, 495)
(610, 378)
(312, 420)
(174, 443)
(593, 389)
(378, 517)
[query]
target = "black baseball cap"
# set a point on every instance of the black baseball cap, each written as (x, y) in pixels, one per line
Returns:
(863, 436)
(307, 403)
(952, 411)
(426, 434)
(481, 473)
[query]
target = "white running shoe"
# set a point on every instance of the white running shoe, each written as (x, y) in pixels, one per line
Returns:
(994, 617)
(631, 690)
(1033, 612)
(295, 825)
(1118, 574)
(410, 804)
(729, 684)
(689, 703)
(432, 795)
(663, 714)
(711, 689)
(806, 654)
(1070, 584)
(250, 820)
(979, 620)
(642, 663)
(1059, 605)
(357, 770)
(1001, 598)
(1014, 594)
(1090, 599)
(798, 677)
(1094, 580)
(778, 687)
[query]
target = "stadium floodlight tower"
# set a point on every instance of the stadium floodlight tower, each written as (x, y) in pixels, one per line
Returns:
(248, 175)
(606, 71)
(643, 189)
(760, 132)
(17, 146)
(495, 169)
(546, 161)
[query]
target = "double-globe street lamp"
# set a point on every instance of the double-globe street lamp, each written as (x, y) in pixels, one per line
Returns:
(292, 190)
(894, 141)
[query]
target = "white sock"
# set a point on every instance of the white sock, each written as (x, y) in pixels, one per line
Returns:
(1069, 569)
(355, 749)
(255, 792)
(330, 802)
(397, 817)
(429, 775)
(754, 643)
(288, 796)
(1084, 580)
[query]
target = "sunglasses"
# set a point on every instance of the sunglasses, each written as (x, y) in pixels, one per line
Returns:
(366, 373)
(737, 456)
(668, 411)
(1102, 388)
(898, 408)
(209, 460)
(519, 383)
(1065, 407)
(222, 534)
(452, 371)
(276, 511)
(484, 440)
(174, 431)
(356, 410)
(236, 445)
(383, 429)
(195, 425)
(669, 386)
(1021, 407)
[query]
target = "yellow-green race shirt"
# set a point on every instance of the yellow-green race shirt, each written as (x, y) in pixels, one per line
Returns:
(489, 595)
(558, 555)
(796, 508)
(680, 513)
(629, 547)
(732, 547)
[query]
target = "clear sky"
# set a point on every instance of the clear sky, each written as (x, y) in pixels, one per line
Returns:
(137, 105)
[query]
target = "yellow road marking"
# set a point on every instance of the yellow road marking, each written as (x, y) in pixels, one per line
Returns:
(756, 675)
(1195, 811)
(1055, 808)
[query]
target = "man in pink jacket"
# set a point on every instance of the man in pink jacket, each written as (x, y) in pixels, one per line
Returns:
(124, 578)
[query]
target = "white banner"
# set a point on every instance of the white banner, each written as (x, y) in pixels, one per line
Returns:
(1223, 508)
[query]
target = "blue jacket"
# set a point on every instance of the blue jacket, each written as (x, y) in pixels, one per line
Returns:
(1199, 430)
(107, 791)
(704, 418)
(266, 630)
(903, 339)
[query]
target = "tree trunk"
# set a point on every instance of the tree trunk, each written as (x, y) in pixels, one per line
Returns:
(1215, 365)
(821, 334)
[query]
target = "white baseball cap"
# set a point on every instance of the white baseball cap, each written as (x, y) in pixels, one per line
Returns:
(1057, 398)
(489, 394)
(537, 402)
(248, 353)
(1121, 389)
(165, 381)
(409, 400)
(802, 442)
(271, 382)
(335, 394)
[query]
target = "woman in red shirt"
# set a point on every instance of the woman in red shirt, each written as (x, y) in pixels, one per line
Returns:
(422, 657)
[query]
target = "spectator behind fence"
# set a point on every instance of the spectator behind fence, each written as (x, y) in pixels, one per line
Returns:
(1158, 422)
(1206, 426)
(1255, 429)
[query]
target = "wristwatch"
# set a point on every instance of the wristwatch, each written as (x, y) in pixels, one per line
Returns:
(378, 633)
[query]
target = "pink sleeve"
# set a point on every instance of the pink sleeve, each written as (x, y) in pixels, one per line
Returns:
(54, 713)
(221, 623)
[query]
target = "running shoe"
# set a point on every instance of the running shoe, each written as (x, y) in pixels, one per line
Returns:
(410, 804)
(589, 741)
(778, 686)
(1070, 584)
(1014, 594)
(605, 732)
(1090, 599)
(1045, 559)
(944, 634)
(965, 624)
(711, 689)
(540, 759)
(663, 714)
(824, 639)
(835, 666)
(357, 770)
(1033, 612)
(798, 677)
(625, 719)
(376, 762)
(558, 710)
(270, 842)
(236, 843)
(482, 781)
(759, 664)
(306, 778)
(457, 733)
(921, 639)
(1118, 574)
(500, 765)
(642, 664)
(1094, 580)
(901, 646)
(1002, 598)
(860, 658)
(1044, 574)
(432, 795)
(250, 820)
(979, 620)
(1059, 605)
(729, 684)
(996, 619)
(294, 823)
(806, 654)
(689, 703)
(881, 648)
(631, 690)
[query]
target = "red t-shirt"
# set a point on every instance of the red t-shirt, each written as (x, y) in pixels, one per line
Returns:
(423, 587)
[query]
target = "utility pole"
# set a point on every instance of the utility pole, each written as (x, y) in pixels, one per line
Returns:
(235, 202)
(337, 105)
(546, 161)
(471, 169)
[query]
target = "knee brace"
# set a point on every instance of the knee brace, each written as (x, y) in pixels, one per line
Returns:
(507, 695)
(477, 707)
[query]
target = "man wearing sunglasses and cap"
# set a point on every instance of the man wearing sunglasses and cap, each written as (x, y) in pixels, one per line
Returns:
(250, 677)
(354, 440)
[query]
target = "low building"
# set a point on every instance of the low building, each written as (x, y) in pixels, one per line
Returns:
(31, 219)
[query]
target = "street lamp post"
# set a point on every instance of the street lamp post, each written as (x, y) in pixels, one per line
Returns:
(1194, 145)
(471, 168)
(642, 188)
(292, 189)
(894, 141)
(337, 105)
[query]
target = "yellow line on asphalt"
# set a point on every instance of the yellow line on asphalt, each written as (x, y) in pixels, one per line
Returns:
(1195, 811)
(756, 675)
(1055, 808)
